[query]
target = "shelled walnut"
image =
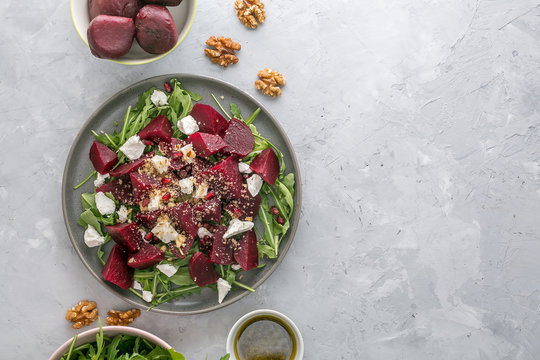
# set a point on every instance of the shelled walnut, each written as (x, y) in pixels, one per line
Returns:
(268, 82)
(224, 54)
(82, 314)
(122, 318)
(249, 12)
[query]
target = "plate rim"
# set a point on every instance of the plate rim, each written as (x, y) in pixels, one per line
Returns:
(298, 191)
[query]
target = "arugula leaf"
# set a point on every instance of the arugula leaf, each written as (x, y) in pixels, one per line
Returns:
(252, 117)
(235, 111)
(182, 277)
(226, 357)
(88, 218)
(88, 201)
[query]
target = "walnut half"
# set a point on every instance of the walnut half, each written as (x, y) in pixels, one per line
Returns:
(268, 82)
(224, 53)
(122, 318)
(82, 314)
(249, 12)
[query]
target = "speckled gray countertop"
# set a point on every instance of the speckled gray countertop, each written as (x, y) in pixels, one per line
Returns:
(416, 125)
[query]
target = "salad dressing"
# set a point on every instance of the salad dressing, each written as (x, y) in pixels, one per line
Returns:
(265, 337)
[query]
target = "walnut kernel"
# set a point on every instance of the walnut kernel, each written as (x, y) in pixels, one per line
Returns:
(122, 318)
(82, 314)
(268, 82)
(225, 51)
(249, 12)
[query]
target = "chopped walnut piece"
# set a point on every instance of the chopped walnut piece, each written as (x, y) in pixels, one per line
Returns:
(225, 50)
(249, 12)
(122, 318)
(268, 82)
(82, 314)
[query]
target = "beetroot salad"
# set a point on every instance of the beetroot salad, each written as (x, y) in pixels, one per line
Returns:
(179, 188)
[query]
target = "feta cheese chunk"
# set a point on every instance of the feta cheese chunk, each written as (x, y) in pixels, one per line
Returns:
(167, 269)
(161, 163)
(204, 232)
(104, 204)
(189, 153)
(158, 98)
(136, 285)
(122, 214)
(188, 125)
(235, 267)
(100, 179)
(237, 227)
(223, 288)
(92, 237)
(201, 190)
(186, 185)
(133, 148)
(165, 231)
(147, 296)
(254, 183)
(154, 203)
(244, 168)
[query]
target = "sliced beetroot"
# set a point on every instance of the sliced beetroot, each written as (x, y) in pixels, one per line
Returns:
(130, 166)
(245, 207)
(116, 270)
(147, 256)
(182, 215)
(209, 210)
(164, 2)
(156, 30)
(199, 165)
(110, 37)
(127, 235)
(124, 8)
(102, 157)
(222, 251)
(206, 144)
(225, 179)
(201, 270)
(148, 219)
(142, 184)
(120, 189)
(159, 129)
(208, 119)
(239, 138)
(266, 165)
(246, 252)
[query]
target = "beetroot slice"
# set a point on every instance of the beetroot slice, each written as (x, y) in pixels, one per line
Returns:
(239, 138)
(102, 157)
(182, 215)
(159, 129)
(116, 270)
(266, 165)
(156, 30)
(147, 256)
(208, 119)
(120, 189)
(225, 178)
(130, 166)
(222, 249)
(201, 270)
(245, 207)
(246, 252)
(148, 219)
(127, 235)
(206, 144)
(210, 210)
(110, 37)
(142, 184)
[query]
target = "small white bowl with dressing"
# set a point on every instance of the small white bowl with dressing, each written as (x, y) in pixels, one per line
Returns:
(265, 334)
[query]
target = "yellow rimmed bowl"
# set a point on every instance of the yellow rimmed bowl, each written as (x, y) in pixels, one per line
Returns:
(183, 16)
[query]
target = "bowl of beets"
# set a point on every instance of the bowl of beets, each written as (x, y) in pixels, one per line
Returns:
(132, 32)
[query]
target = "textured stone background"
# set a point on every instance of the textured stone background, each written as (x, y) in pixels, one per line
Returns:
(416, 125)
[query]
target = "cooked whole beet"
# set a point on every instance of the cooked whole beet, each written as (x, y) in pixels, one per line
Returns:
(159, 129)
(164, 2)
(266, 165)
(102, 157)
(124, 8)
(156, 31)
(208, 119)
(201, 270)
(239, 138)
(110, 37)
(127, 235)
(147, 256)
(206, 144)
(116, 269)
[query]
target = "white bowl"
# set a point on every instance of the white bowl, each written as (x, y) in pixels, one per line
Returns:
(234, 330)
(90, 336)
(182, 14)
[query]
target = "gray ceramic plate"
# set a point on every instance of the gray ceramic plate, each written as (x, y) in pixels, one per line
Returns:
(78, 167)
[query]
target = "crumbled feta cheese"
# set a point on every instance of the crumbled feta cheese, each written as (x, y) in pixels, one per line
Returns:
(235, 267)
(92, 237)
(186, 185)
(244, 168)
(158, 98)
(133, 148)
(154, 203)
(122, 214)
(136, 285)
(201, 190)
(147, 296)
(237, 227)
(254, 183)
(165, 231)
(204, 232)
(188, 125)
(167, 269)
(189, 153)
(100, 179)
(161, 163)
(104, 204)
(223, 288)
